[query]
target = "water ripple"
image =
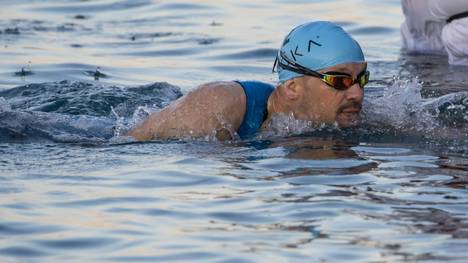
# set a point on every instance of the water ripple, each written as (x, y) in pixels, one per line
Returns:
(187, 256)
(77, 243)
(267, 53)
(332, 180)
(106, 201)
(161, 53)
(21, 252)
(183, 6)
(17, 228)
(285, 165)
(240, 217)
(89, 7)
(370, 30)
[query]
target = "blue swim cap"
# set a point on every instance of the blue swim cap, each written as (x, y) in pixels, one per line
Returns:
(317, 45)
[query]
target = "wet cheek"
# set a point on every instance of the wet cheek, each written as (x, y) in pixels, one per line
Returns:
(328, 111)
(335, 112)
(327, 102)
(335, 104)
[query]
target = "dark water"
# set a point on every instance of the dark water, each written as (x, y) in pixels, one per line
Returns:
(76, 74)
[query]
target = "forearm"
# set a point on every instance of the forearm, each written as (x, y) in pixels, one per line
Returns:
(142, 132)
(208, 126)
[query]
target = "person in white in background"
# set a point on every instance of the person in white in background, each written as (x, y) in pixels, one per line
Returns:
(437, 26)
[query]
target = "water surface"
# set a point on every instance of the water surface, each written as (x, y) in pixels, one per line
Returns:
(74, 74)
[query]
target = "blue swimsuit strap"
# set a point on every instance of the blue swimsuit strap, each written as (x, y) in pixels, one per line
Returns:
(257, 94)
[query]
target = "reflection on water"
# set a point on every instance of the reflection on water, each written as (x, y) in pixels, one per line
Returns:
(137, 42)
(302, 198)
(393, 191)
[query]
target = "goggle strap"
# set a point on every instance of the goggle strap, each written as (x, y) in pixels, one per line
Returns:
(274, 64)
(362, 78)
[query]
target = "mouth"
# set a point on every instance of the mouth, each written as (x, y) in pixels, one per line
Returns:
(349, 116)
(353, 110)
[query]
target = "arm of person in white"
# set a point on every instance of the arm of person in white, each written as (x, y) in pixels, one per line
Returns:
(425, 21)
(454, 34)
(455, 39)
(443, 9)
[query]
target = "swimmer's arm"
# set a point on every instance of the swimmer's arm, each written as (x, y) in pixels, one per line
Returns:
(212, 109)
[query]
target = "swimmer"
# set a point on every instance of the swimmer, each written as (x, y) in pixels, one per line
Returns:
(436, 26)
(322, 72)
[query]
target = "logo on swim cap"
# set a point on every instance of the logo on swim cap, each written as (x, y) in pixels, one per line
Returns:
(317, 45)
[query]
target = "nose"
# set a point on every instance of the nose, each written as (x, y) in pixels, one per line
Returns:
(355, 93)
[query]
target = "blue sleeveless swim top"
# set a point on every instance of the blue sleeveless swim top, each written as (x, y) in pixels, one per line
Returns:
(257, 94)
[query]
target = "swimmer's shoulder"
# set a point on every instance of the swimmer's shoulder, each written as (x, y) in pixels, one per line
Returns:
(226, 88)
(220, 94)
(224, 99)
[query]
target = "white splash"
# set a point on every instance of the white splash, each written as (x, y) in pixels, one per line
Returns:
(123, 125)
(282, 125)
(4, 105)
(401, 106)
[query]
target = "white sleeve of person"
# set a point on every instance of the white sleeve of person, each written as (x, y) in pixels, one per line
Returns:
(455, 39)
(425, 28)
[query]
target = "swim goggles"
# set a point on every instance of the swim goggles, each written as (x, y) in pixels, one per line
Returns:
(337, 80)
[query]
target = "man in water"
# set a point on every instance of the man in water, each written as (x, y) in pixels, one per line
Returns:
(322, 72)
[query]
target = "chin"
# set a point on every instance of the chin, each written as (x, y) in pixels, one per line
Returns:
(348, 120)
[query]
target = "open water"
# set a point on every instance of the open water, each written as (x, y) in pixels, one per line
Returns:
(75, 75)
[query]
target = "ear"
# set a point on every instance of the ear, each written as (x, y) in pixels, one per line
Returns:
(291, 89)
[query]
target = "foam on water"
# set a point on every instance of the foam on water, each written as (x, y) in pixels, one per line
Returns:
(403, 109)
(4, 105)
(70, 111)
(400, 106)
(282, 125)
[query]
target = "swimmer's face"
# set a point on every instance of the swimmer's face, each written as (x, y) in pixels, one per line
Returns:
(321, 103)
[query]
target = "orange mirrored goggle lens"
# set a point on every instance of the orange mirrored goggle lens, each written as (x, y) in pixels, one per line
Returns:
(343, 82)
